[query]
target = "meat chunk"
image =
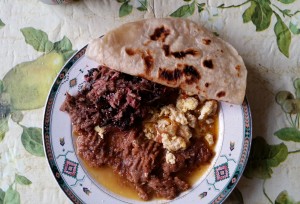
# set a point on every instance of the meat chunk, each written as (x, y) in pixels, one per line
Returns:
(113, 98)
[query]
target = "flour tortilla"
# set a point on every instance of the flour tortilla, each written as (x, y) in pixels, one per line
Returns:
(175, 53)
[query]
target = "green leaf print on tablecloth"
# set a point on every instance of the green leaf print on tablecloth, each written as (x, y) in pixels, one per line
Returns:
(64, 47)
(126, 7)
(284, 198)
(32, 141)
(4, 112)
(294, 29)
(283, 36)
(263, 158)
(37, 39)
(11, 196)
(184, 11)
(286, 1)
(288, 134)
(143, 6)
(1, 24)
(261, 17)
(249, 12)
(188, 9)
(22, 180)
(3, 127)
(2, 195)
(201, 7)
(297, 87)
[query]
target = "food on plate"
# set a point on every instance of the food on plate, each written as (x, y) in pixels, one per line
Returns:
(148, 133)
(150, 110)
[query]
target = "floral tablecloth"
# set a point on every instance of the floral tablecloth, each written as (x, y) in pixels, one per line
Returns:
(36, 39)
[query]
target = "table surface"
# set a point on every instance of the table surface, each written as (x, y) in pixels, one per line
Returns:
(265, 33)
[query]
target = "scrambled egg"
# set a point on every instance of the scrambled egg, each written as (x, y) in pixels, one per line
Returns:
(186, 104)
(185, 132)
(100, 131)
(173, 114)
(149, 130)
(170, 158)
(172, 125)
(172, 143)
(192, 120)
(209, 138)
(167, 125)
(209, 121)
(208, 108)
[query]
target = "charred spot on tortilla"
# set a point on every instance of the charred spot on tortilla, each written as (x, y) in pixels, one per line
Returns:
(179, 54)
(130, 51)
(191, 74)
(149, 61)
(208, 64)
(183, 54)
(238, 69)
(221, 94)
(180, 66)
(206, 84)
(147, 43)
(166, 49)
(206, 41)
(146, 56)
(160, 34)
(170, 75)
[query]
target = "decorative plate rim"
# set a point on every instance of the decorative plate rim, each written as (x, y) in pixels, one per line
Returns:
(221, 196)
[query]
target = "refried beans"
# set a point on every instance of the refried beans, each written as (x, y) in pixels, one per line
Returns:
(108, 114)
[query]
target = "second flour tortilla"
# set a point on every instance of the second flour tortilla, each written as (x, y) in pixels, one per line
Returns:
(175, 53)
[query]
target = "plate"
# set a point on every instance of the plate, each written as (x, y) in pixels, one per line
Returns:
(232, 148)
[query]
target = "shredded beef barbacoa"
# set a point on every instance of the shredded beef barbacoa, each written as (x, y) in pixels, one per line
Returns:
(115, 99)
(120, 102)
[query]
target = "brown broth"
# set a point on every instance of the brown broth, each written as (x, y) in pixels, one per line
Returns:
(112, 181)
(116, 184)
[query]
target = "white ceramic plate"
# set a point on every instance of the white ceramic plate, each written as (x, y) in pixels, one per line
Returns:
(232, 148)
